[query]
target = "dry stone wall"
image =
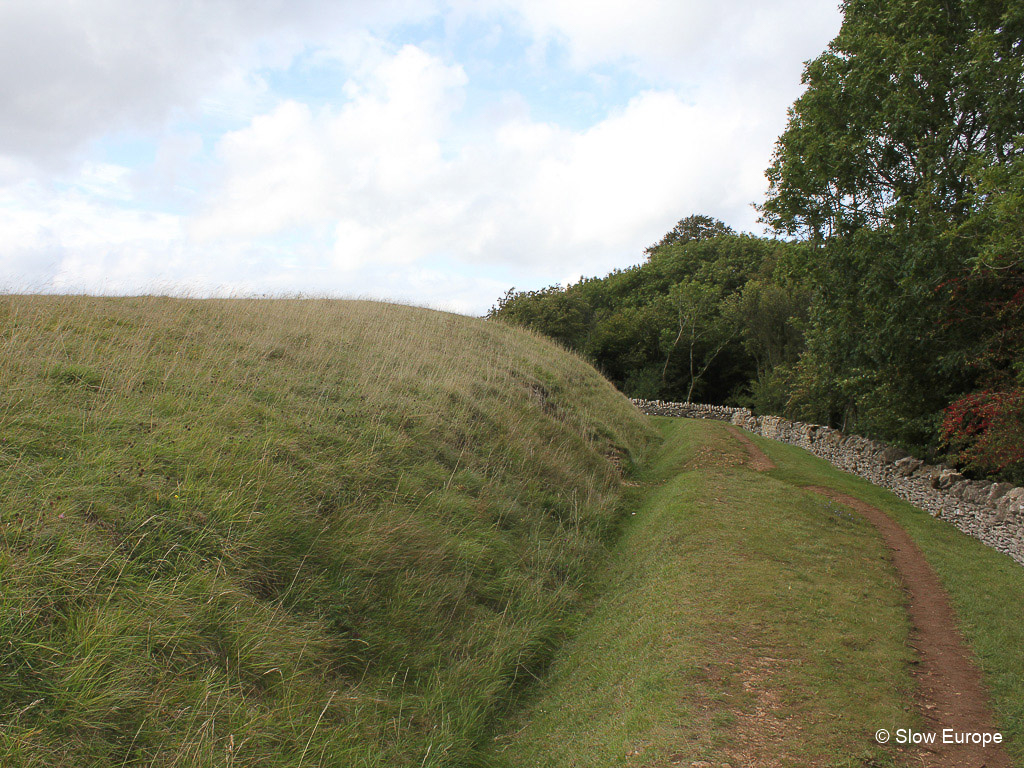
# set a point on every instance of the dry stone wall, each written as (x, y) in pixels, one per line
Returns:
(991, 512)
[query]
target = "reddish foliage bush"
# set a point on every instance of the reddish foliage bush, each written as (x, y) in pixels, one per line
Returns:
(985, 432)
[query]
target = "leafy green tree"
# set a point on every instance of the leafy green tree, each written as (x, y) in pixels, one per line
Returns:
(624, 344)
(997, 277)
(984, 430)
(690, 229)
(904, 102)
(997, 226)
(641, 325)
(687, 323)
(882, 355)
(773, 321)
(561, 314)
(897, 163)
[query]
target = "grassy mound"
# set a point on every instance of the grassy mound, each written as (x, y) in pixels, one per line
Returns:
(285, 533)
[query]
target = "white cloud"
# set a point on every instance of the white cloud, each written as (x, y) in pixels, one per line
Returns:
(71, 71)
(375, 156)
(396, 187)
(81, 239)
(376, 172)
(681, 42)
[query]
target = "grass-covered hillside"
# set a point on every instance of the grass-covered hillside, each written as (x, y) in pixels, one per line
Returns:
(285, 533)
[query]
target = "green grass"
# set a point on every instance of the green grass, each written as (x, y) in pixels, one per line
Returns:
(321, 533)
(745, 621)
(286, 533)
(986, 587)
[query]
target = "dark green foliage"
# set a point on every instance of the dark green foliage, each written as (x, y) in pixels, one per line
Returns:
(775, 319)
(881, 358)
(990, 297)
(704, 317)
(696, 227)
(904, 102)
(901, 162)
(985, 430)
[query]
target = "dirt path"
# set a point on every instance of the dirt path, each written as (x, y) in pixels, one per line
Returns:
(758, 459)
(950, 690)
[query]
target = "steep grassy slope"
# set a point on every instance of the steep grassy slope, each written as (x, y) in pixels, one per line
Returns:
(285, 533)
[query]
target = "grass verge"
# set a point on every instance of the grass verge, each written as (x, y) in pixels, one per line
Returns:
(985, 587)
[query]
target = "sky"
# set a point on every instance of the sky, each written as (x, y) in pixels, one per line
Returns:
(432, 152)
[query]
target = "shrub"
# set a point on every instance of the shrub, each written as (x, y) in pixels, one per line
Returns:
(985, 432)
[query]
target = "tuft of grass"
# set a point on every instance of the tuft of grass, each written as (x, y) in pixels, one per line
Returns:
(286, 533)
(69, 373)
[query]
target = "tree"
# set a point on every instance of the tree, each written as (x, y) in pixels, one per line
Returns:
(705, 322)
(667, 328)
(984, 430)
(557, 311)
(912, 110)
(996, 281)
(997, 225)
(773, 317)
(696, 227)
(882, 357)
(909, 97)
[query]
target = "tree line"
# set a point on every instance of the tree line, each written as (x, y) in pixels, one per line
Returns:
(890, 299)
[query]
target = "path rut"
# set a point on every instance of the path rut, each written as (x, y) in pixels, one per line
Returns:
(951, 694)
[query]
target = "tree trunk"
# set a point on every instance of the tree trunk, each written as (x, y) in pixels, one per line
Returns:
(668, 356)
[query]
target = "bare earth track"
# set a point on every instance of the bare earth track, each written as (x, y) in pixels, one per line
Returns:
(950, 690)
(758, 459)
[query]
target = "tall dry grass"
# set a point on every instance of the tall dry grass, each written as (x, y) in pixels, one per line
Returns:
(285, 532)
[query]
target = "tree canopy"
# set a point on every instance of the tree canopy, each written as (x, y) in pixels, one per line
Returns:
(902, 161)
(694, 227)
(908, 100)
(671, 328)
